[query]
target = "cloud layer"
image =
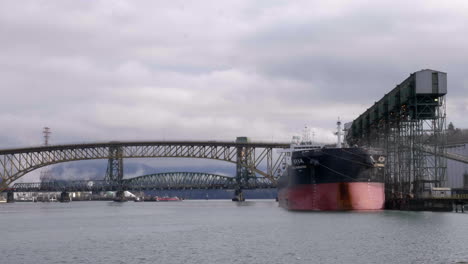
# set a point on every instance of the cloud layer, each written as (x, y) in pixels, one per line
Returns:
(116, 70)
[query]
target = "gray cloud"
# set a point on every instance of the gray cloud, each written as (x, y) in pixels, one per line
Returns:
(115, 70)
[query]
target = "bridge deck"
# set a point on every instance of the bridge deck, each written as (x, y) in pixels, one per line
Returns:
(145, 143)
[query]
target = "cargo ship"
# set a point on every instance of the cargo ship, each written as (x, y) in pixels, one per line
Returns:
(332, 178)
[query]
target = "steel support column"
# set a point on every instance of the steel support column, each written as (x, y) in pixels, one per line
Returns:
(240, 175)
(245, 164)
(114, 171)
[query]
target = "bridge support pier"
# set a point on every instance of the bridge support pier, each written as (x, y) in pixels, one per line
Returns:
(114, 173)
(65, 197)
(120, 196)
(10, 197)
(459, 205)
(238, 196)
(245, 161)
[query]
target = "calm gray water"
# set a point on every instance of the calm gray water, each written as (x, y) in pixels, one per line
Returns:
(224, 232)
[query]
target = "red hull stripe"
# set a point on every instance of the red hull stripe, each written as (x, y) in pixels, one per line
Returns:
(334, 196)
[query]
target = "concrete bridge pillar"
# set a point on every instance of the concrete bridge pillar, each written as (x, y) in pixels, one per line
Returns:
(238, 196)
(120, 196)
(10, 197)
(64, 197)
(459, 205)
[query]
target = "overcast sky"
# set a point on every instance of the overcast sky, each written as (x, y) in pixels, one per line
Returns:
(138, 70)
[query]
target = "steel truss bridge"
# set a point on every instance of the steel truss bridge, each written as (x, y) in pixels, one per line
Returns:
(251, 158)
(158, 181)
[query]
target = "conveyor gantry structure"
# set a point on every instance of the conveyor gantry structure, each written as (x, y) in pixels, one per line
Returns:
(448, 155)
(408, 122)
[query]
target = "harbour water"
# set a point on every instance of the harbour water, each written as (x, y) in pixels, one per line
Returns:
(221, 231)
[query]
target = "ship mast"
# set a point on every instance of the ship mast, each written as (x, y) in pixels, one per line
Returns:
(339, 134)
(306, 136)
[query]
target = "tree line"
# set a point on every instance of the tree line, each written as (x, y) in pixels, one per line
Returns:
(455, 135)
